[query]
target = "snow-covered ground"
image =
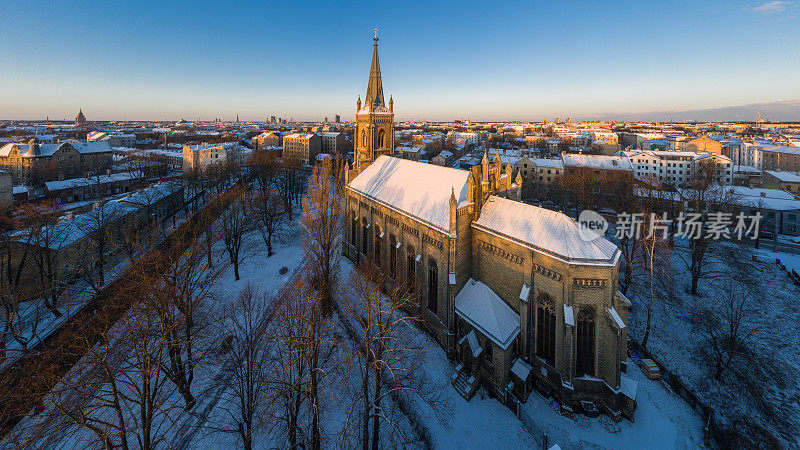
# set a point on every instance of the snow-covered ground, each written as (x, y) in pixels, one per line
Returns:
(675, 342)
(263, 274)
(661, 420)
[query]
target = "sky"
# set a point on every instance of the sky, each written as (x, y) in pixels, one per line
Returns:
(444, 60)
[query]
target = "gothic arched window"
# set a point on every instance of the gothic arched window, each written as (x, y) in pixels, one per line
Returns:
(585, 357)
(363, 138)
(377, 246)
(353, 228)
(433, 285)
(410, 268)
(546, 329)
(382, 139)
(392, 256)
(364, 237)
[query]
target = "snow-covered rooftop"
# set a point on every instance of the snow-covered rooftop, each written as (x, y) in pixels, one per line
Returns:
(549, 163)
(479, 305)
(745, 191)
(152, 194)
(597, 161)
(414, 188)
(788, 177)
(550, 232)
(91, 181)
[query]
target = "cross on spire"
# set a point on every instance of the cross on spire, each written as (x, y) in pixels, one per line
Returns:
(375, 86)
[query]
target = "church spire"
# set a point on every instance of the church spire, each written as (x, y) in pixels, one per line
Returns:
(375, 87)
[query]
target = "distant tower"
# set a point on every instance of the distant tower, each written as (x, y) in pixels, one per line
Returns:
(374, 134)
(80, 119)
(237, 118)
(337, 119)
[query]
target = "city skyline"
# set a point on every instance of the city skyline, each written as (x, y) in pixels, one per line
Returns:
(445, 61)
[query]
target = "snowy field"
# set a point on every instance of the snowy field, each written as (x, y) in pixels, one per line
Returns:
(676, 343)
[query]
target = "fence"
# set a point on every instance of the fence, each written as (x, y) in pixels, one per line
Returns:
(538, 434)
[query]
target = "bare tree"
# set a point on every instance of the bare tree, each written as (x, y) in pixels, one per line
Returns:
(269, 215)
(246, 365)
(98, 227)
(117, 391)
(287, 182)
(656, 256)
(195, 182)
(264, 167)
(705, 195)
(388, 360)
(301, 337)
(290, 367)
(232, 225)
(179, 289)
(625, 201)
(321, 227)
(729, 326)
(47, 236)
(13, 261)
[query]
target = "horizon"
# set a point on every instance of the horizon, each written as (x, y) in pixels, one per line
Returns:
(142, 63)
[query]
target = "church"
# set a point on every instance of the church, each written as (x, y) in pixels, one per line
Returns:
(515, 296)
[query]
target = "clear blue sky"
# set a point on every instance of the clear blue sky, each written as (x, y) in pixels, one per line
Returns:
(440, 60)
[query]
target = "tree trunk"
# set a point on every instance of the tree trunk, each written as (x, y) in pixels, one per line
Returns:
(209, 262)
(188, 397)
(365, 419)
(50, 304)
(247, 439)
(376, 406)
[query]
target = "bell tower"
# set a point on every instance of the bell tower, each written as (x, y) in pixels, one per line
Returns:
(374, 135)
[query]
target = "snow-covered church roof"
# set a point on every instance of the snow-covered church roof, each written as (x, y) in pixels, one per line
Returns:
(418, 189)
(550, 232)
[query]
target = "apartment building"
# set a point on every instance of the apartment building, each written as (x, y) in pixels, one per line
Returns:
(780, 157)
(674, 168)
(200, 157)
(332, 143)
(303, 147)
(34, 163)
(267, 139)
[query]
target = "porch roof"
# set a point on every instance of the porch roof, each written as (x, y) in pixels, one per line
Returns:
(482, 308)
